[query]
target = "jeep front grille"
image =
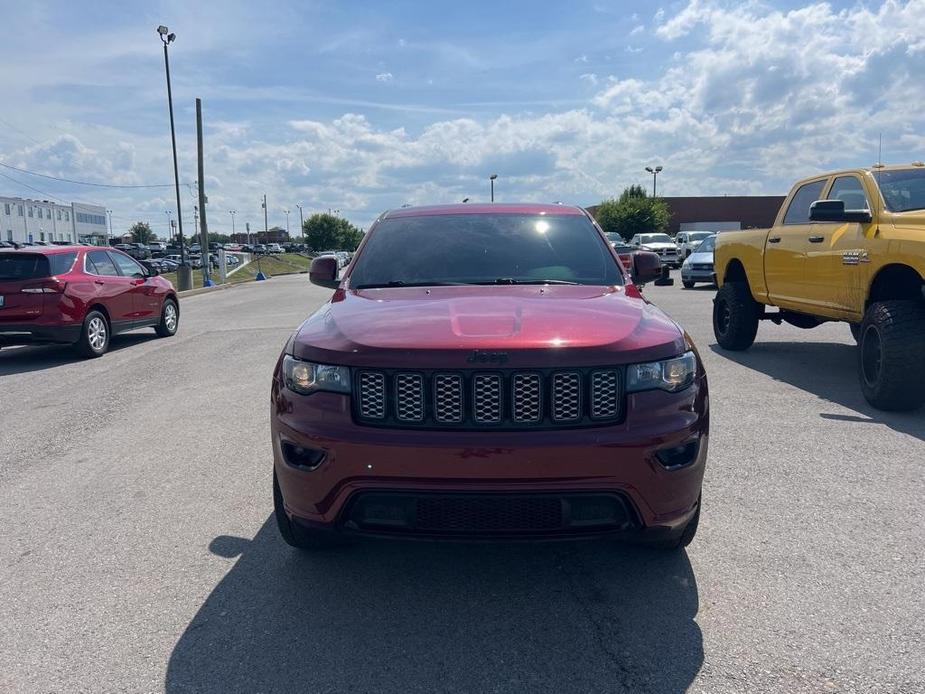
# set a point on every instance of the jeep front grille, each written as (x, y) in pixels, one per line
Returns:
(489, 399)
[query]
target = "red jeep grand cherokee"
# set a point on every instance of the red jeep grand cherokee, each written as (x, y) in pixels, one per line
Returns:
(80, 295)
(488, 371)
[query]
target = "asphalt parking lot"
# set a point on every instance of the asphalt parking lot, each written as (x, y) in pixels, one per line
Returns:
(138, 551)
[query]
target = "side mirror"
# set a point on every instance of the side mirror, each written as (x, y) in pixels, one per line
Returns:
(323, 272)
(647, 266)
(834, 211)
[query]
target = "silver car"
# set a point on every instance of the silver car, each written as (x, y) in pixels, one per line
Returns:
(698, 266)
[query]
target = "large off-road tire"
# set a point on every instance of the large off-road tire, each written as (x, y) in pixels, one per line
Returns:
(94, 336)
(170, 319)
(296, 535)
(735, 316)
(891, 354)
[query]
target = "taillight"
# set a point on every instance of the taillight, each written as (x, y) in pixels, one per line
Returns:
(50, 286)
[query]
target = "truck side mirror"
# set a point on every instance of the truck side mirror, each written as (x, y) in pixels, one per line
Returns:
(647, 266)
(323, 272)
(834, 211)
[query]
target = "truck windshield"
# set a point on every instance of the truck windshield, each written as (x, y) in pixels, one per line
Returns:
(485, 249)
(903, 189)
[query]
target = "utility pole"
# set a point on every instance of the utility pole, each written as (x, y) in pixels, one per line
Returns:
(301, 223)
(204, 228)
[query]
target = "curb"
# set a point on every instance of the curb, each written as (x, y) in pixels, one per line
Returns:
(203, 290)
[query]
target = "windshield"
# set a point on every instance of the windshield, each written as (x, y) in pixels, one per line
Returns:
(903, 189)
(706, 246)
(699, 235)
(655, 238)
(485, 249)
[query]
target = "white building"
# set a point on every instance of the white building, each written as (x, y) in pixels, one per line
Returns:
(24, 220)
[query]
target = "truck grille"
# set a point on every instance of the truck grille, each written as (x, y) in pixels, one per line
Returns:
(486, 400)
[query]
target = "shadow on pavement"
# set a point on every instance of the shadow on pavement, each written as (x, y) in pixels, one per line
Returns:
(827, 370)
(16, 360)
(403, 616)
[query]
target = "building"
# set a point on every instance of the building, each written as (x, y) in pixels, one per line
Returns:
(24, 220)
(721, 212)
(273, 235)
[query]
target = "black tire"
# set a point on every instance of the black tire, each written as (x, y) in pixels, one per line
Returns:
(170, 319)
(687, 284)
(94, 336)
(855, 331)
(891, 351)
(296, 535)
(735, 316)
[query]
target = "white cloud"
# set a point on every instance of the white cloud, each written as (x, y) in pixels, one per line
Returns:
(589, 77)
(384, 77)
(638, 29)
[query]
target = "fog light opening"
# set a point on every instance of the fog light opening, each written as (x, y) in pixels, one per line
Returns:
(676, 457)
(302, 456)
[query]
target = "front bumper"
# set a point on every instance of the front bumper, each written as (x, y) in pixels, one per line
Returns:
(28, 333)
(691, 275)
(618, 465)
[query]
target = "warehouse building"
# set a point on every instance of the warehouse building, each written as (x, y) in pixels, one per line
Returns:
(23, 220)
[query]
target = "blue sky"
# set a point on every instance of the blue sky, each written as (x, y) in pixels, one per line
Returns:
(362, 106)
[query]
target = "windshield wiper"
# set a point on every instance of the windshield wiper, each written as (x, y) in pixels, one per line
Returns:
(511, 280)
(401, 283)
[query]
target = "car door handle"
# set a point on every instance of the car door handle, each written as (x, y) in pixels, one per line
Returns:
(98, 282)
(816, 239)
(774, 239)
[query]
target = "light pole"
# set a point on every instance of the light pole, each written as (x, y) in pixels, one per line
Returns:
(110, 223)
(183, 279)
(169, 224)
(232, 213)
(465, 199)
(301, 223)
(655, 172)
(491, 180)
(287, 222)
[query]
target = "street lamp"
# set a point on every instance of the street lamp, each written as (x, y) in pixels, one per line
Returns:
(655, 172)
(492, 181)
(168, 38)
(232, 213)
(465, 199)
(301, 222)
(287, 222)
(110, 223)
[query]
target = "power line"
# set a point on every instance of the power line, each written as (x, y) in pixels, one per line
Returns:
(86, 183)
(26, 185)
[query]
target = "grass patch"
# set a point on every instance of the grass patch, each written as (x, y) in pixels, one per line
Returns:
(283, 264)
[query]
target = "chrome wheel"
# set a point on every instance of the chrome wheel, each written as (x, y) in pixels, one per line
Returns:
(96, 333)
(170, 316)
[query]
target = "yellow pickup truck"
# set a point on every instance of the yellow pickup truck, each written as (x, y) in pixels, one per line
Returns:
(846, 246)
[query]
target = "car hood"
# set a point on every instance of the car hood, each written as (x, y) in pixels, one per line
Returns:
(700, 258)
(659, 245)
(452, 327)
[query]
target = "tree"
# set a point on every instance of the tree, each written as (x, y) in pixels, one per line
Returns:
(633, 213)
(327, 232)
(141, 232)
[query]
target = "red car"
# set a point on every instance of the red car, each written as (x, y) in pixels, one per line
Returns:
(80, 295)
(488, 371)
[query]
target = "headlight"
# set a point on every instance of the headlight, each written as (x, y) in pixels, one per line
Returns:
(306, 377)
(671, 375)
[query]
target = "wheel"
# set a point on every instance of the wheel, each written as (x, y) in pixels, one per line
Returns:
(855, 331)
(735, 316)
(296, 535)
(94, 336)
(170, 319)
(687, 284)
(890, 355)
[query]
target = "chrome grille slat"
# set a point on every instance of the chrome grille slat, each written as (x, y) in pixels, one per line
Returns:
(605, 394)
(503, 399)
(566, 397)
(486, 398)
(409, 397)
(372, 395)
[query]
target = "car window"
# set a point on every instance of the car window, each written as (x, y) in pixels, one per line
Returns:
(61, 262)
(126, 265)
(903, 189)
(656, 238)
(849, 190)
(806, 195)
(23, 266)
(102, 264)
(485, 248)
(706, 246)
